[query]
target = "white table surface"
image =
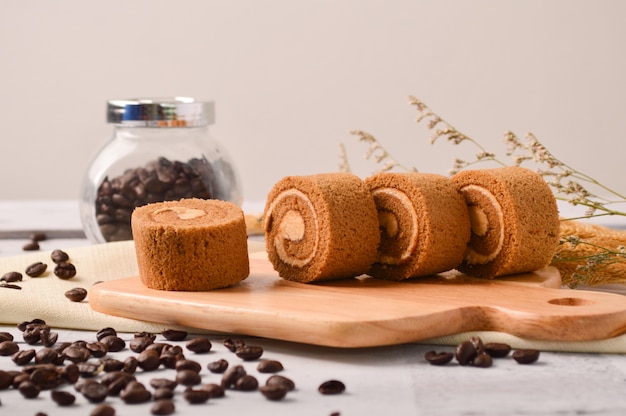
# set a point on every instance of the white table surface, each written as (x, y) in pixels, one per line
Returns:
(387, 380)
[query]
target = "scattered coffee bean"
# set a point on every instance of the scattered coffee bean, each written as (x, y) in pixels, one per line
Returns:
(163, 393)
(526, 356)
(249, 352)
(6, 336)
(36, 269)
(135, 393)
(31, 246)
(114, 343)
(438, 358)
(97, 349)
(483, 360)
(273, 392)
(163, 407)
(246, 383)
(77, 294)
(46, 355)
(63, 398)
(230, 376)
(65, 270)
(23, 357)
(215, 390)
(38, 236)
(104, 332)
(77, 354)
(281, 381)
(148, 360)
(218, 367)
(59, 256)
(185, 364)
(331, 387)
(140, 343)
(29, 390)
(465, 352)
(199, 345)
(196, 396)
(11, 277)
(174, 335)
(103, 410)
(8, 348)
(158, 383)
(233, 345)
(188, 378)
(95, 392)
(497, 349)
(6, 285)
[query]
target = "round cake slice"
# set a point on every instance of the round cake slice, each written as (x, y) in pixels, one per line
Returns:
(514, 220)
(424, 224)
(190, 245)
(321, 227)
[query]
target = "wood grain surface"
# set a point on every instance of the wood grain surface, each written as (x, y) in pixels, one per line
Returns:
(364, 312)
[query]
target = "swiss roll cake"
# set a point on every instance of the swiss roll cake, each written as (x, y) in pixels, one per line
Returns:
(424, 224)
(321, 227)
(190, 245)
(514, 221)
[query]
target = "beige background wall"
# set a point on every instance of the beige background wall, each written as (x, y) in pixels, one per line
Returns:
(291, 78)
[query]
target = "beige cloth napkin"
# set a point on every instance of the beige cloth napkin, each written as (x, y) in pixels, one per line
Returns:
(43, 297)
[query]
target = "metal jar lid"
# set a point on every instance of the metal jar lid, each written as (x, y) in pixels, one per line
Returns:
(161, 112)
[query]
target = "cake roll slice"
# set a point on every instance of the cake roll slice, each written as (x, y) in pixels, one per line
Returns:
(190, 245)
(320, 227)
(424, 224)
(515, 221)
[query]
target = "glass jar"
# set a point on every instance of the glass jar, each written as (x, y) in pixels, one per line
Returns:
(161, 150)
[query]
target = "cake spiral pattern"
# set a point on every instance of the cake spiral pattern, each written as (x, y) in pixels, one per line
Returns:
(424, 224)
(514, 221)
(320, 227)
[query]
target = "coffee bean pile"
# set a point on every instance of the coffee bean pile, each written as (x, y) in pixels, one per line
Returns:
(159, 180)
(89, 368)
(63, 269)
(474, 352)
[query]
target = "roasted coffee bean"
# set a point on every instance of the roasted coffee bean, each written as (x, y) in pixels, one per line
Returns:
(59, 256)
(63, 398)
(5, 285)
(46, 356)
(19, 379)
(47, 337)
(477, 342)
(95, 392)
(230, 376)
(465, 352)
(246, 383)
(497, 349)
(331, 387)
(8, 348)
(158, 346)
(438, 358)
(70, 373)
(233, 345)
(526, 356)
(36, 269)
(139, 344)
(135, 393)
(65, 270)
(148, 360)
(23, 357)
(188, 377)
(77, 294)
(483, 360)
(37, 322)
(170, 358)
(196, 396)
(157, 383)
(269, 366)
(32, 333)
(188, 365)
(163, 393)
(6, 336)
(103, 410)
(130, 365)
(249, 352)
(105, 332)
(11, 277)
(215, 390)
(46, 377)
(6, 379)
(29, 389)
(116, 381)
(114, 343)
(81, 383)
(199, 345)
(89, 369)
(281, 381)
(77, 354)
(163, 407)
(111, 364)
(97, 349)
(273, 392)
(31, 246)
(174, 335)
(218, 367)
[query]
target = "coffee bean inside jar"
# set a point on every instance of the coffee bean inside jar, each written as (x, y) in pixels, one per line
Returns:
(161, 150)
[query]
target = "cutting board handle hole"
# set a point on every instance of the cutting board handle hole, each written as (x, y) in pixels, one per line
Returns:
(570, 302)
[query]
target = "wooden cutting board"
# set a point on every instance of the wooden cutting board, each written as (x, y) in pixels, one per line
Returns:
(365, 312)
